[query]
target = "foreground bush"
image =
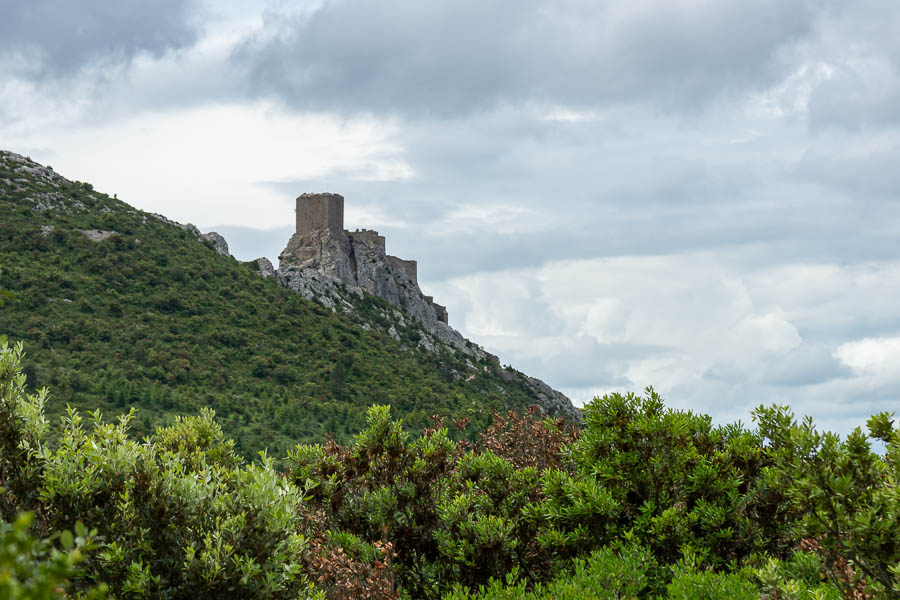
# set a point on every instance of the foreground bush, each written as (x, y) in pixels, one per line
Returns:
(180, 514)
(668, 477)
(644, 502)
(32, 569)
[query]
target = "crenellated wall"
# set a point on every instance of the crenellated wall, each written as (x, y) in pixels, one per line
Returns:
(369, 237)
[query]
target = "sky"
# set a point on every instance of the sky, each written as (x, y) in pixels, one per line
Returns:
(702, 196)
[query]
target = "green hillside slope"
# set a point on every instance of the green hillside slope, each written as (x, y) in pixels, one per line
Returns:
(153, 318)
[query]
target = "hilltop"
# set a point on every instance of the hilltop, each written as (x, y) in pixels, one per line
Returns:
(119, 308)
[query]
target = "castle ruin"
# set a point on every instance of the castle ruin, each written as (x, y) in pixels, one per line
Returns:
(319, 211)
(356, 258)
(324, 262)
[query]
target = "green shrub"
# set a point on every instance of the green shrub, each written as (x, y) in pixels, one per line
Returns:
(845, 497)
(644, 503)
(22, 429)
(616, 571)
(669, 477)
(180, 516)
(32, 569)
(800, 577)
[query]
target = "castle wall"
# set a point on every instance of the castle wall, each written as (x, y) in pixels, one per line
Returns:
(410, 267)
(369, 237)
(441, 312)
(316, 212)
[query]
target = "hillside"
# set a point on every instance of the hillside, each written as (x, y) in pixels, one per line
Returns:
(119, 308)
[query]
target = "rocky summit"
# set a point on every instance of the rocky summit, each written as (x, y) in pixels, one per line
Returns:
(326, 263)
(121, 308)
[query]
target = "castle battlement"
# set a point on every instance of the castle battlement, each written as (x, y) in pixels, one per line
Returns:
(369, 237)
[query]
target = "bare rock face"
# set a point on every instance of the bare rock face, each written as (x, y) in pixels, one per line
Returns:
(314, 286)
(326, 251)
(314, 263)
(218, 242)
(264, 267)
(97, 235)
(554, 402)
(334, 267)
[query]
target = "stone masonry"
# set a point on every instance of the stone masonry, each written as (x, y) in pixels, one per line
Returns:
(320, 211)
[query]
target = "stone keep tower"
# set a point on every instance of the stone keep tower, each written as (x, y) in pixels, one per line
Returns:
(316, 212)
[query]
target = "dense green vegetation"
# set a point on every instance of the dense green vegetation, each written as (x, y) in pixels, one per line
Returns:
(32, 569)
(644, 502)
(154, 318)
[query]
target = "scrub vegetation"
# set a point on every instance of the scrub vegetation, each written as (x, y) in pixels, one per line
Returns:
(154, 318)
(643, 502)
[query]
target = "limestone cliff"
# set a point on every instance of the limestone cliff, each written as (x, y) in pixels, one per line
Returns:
(316, 263)
(335, 267)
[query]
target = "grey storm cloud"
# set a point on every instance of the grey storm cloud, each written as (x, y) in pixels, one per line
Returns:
(589, 363)
(859, 46)
(450, 58)
(582, 191)
(55, 38)
(866, 171)
(683, 165)
(808, 364)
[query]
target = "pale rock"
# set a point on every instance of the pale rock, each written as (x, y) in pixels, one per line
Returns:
(313, 286)
(98, 235)
(264, 267)
(217, 241)
(554, 402)
(357, 261)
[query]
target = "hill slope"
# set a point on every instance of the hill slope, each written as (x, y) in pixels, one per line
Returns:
(119, 308)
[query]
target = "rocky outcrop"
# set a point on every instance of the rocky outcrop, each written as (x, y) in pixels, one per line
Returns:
(264, 267)
(554, 402)
(97, 235)
(314, 286)
(217, 241)
(189, 227)
(317, 263)
(332, 266)
(326, 251)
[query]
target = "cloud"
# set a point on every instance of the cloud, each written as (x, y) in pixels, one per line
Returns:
(454, 58)
(56, 38)
(707, 331)
(863, 166)
(803, 365)
(203, 165)
(859, 45)
(877, 357)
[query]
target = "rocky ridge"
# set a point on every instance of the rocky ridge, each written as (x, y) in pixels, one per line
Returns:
(335, 269)
(332, 266)
(335, 266)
